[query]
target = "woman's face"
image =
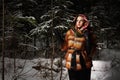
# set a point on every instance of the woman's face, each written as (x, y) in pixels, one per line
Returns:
(79, 22)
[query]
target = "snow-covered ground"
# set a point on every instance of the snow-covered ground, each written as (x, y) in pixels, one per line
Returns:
(101, 70)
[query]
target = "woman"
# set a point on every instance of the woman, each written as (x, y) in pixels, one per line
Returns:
(80, 46)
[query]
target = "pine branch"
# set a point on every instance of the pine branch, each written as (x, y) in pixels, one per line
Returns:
(45, 67)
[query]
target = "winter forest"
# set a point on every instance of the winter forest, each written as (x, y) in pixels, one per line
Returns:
(30, 50)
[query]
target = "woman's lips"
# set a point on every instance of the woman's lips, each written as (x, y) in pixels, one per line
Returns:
(79, 27)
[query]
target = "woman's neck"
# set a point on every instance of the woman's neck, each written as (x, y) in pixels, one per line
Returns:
(78, 30)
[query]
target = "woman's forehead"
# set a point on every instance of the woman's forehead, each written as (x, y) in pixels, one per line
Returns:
(79, 18)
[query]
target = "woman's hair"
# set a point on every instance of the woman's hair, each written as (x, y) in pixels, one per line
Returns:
(86, 22)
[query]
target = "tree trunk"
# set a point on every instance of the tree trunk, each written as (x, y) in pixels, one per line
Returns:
(34, 42)
(3, 42)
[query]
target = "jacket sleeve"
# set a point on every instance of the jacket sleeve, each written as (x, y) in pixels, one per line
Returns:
(64, 46)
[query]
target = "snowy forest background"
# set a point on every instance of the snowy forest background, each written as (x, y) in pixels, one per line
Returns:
(30, 50)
